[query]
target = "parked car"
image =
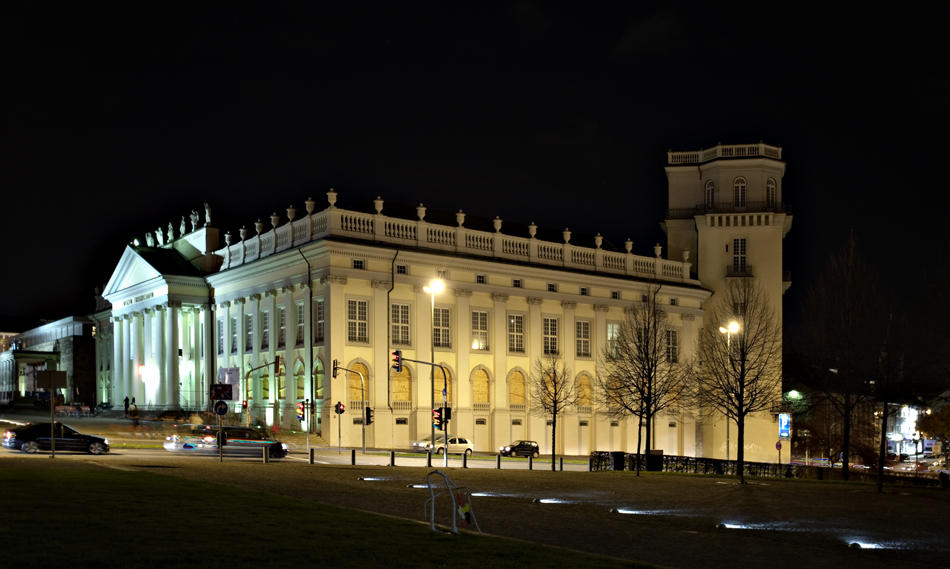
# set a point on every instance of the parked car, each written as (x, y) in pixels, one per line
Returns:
(36, 436)
(238, 441)
(520, 448)
(425, 445)
(457, 445)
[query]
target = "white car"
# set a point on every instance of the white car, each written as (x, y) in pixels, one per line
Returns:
(456, 445)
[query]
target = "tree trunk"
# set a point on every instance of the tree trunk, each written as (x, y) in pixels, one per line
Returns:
(845, 438)
(553, 440)
(740, 452)
(883, 456)
(639, 440)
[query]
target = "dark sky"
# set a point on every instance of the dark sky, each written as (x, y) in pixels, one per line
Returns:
(116, 121)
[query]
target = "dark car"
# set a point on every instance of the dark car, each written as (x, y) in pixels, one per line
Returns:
(36, 436)
(520, 448)
(239, 441)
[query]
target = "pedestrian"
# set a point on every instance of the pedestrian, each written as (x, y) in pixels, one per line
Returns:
(133, 400)
(126, 404)
(134, 414)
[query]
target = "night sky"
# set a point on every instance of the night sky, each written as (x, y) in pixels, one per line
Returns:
(118, 120)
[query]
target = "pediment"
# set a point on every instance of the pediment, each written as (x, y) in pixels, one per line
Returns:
(131, 271)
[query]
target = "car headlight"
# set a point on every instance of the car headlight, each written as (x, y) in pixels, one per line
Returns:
(285, 447)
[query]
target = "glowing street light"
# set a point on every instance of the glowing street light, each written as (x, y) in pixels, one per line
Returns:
(733, 327)
(433, 288)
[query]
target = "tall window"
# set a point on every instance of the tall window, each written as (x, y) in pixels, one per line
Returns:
(739, 192)
(319, 329)
(549, 335)
(516, 389)
(479, 330)
(583, 390)
(356, 325)
(738, 255)
(480, 386)
(221, 337)
(358, 389)
(248, 332)
(265, 330)
(441, 332)
(402, 390)
(583, 338)
(400, 315)
(672, 347)
(710, 194)
(234, 334)
(613, 339)
(770, 193)
(300, 325)
(281, 327)
(301, 385)
(516, 333)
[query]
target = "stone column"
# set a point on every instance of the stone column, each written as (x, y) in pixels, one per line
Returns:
(533, 333)
(118, 385)
(127, 373)
(498, 342)
(600, 337)
(161, 348)
(208, 362)
(197, 380)
(287, 354)
(172, 389)
(253, 395)
(147, 338)
(424, 385)
(270, 302)
(138, 381)
(334, 342)
(567, 347)
(238, 312)
(462, 345)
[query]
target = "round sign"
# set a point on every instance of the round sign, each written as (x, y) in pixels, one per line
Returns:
(220, 407)
(778, 445)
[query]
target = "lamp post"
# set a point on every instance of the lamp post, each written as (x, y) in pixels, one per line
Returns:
(434, 287)
(729, 331)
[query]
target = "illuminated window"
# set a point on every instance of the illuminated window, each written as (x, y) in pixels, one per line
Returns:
(516, 333)
(234, 334)
(319, 329)
(613, 339)
(265, 330)
(400, 324)
(281, 327)
(221, 336)
(441, 329)
(479, 330)
(549, 335)
(300, 325)
(356, 322)
(248, 332)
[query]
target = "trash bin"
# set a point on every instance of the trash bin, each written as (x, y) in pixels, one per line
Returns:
(655, 461)
(617, 460)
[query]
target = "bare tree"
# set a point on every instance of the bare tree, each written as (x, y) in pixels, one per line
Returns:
(846, 331)
(640, 370)
(739, 371)
(552, 391)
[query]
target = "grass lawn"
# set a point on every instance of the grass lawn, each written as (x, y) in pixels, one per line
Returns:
(92, 517)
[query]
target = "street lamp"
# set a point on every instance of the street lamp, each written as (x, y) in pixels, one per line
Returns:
(732, 328)
(434, 287)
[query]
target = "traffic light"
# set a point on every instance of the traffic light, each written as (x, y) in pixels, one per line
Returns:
(339, 408)
(276, 366)
(397, 361)
(300, 411)
(437, 419)
(244, 405)
(336, 366)
(446, 414)
(369, 416)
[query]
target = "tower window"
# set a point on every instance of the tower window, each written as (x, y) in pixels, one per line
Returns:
(770, 193)
(710, 194)
(738, 255)
(739, 192)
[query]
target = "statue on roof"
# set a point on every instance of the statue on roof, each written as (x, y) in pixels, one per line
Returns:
(160, 237)
(149, 239)
(181, 228)
(194, 220)
(171, 232)
(207, 215)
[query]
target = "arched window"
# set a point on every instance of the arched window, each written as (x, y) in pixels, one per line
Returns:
(516, 389)
(710, 194)
(265, 386)
(318, 378)
(480, 386)
(300, 379)
(583, 390)
(439, 384)
(402, 382)
(770, 193)
(356, 394)
(739, 187)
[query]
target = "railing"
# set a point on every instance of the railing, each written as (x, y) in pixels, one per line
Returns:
(402, 405)
(724, 151)
(728, 207)
(583, 409)
(518, 407)
(481, 407)
(460, 239)
(357, 404)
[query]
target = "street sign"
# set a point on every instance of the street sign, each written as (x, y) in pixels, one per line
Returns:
(778, 445)
(220, 407)
(784, 426)
(221, 391)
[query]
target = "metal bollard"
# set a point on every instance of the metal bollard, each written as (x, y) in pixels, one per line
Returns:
(428, 459)
(498, 462)
(311, 455)
(266, 455)
(353, 457)
(464, 460)
(561, 460)
(530, 462)
(392, 458)
(590, 466)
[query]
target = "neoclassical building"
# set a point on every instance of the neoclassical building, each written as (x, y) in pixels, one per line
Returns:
(349, 285)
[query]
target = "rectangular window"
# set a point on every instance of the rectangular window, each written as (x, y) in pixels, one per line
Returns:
(479, 330)
(442, 274)
(613, 339)
(400, 323)
(738, 255)
(248, 332)
(402, 270)
(221, 336)
(356, 322)
(281, 327)
(516, 333)
(644, 298)
(481, 279)
(549, 335)
(552, 287)
(234, 334)
(585, 291)
(441, 331)
(672, 302)
(583, 338)
(300, 325)
(672, 347)
(319, 329)
(516, 283)
(265, 330)
(615, 294)
(359, 264)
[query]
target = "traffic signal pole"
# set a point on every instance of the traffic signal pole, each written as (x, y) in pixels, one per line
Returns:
(337, 367)
(397, 365)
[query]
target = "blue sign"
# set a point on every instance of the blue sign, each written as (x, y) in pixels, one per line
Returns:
(220, 407)
(784, 426)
